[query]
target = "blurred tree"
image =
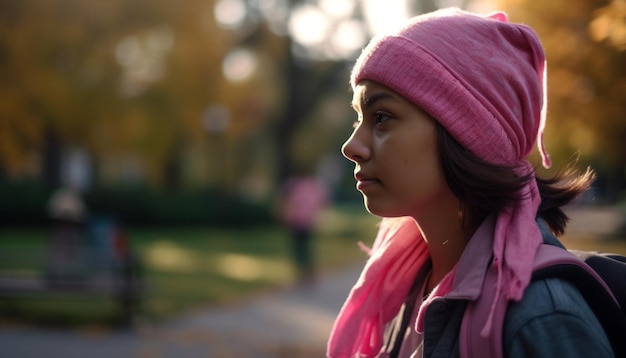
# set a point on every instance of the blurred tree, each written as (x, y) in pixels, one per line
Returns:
(126, 80)
(609, 24)
(311, 67)
(584, 41)
(132, 83)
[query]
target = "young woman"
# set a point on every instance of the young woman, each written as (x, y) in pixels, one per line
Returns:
(449, 107)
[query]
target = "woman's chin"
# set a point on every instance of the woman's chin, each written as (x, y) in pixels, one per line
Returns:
(380, 210)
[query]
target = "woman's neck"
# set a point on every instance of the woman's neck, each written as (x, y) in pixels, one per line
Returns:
(443, 232)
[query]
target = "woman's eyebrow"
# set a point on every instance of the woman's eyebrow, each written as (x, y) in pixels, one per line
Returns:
(369, 101)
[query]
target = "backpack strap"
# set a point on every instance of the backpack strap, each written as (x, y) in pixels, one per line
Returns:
(600, 278)
(612, 269)
(550, 261)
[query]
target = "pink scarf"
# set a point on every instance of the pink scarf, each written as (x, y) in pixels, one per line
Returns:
(399, 252)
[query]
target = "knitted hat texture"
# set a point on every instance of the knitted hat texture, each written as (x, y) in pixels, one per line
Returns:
(481, 77)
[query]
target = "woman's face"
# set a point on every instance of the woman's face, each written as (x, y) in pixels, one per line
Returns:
(395, 151)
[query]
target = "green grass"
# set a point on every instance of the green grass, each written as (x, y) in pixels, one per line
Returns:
(189, 268)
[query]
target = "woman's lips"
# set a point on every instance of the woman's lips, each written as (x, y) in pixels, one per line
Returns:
(363, 181)
(362, 185)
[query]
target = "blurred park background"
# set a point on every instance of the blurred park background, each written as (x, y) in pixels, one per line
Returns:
(177, 122)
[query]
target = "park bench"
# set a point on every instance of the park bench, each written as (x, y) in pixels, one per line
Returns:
(97, 261)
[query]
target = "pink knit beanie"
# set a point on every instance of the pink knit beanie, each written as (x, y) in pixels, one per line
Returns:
(482, 78)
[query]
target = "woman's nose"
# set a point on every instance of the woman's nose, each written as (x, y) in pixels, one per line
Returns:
(356, 148)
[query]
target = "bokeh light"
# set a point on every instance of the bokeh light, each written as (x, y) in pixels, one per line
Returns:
(230, 13)
(308, 25)
(239, 65)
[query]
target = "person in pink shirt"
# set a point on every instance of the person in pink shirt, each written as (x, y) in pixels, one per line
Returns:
(302, 199)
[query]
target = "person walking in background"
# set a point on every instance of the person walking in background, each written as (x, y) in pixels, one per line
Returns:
(65, 252)
(303, 196)
(449, 108)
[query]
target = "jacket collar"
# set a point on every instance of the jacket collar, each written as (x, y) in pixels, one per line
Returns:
(475, 260)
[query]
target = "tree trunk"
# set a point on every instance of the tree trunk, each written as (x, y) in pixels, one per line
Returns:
(51, 157)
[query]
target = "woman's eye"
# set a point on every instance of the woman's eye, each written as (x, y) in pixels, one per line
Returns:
(381, 117)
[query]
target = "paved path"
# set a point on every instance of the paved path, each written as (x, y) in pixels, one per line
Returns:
(289, 323)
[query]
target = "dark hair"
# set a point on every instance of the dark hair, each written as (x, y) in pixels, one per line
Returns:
(484, 188)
